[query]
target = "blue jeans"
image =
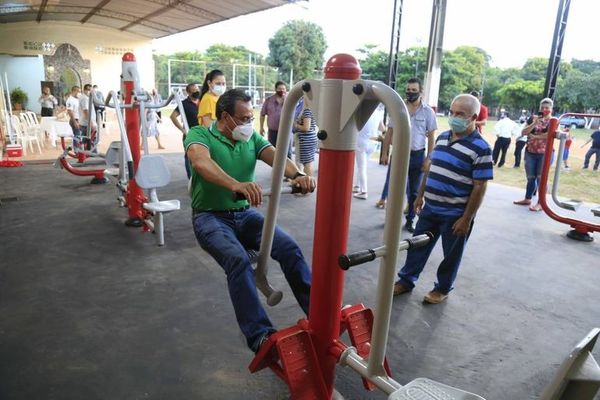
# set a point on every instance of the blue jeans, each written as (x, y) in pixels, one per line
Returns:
(452, 245)
(226, 236)
(414, 180)
(533, 169)
(588, 156)
(412, 183)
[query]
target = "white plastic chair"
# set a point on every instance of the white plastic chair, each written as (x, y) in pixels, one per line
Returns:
(24, 136)
(153, 173)
(29, 124)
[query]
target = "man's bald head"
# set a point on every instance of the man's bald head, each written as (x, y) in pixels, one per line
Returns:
(468, 103)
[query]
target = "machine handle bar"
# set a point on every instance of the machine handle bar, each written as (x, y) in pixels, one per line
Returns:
(267, 192)
(346, 261)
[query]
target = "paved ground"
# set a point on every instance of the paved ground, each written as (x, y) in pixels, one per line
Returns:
(94, 310)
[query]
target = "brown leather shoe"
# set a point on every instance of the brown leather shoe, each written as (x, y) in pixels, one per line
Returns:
(400, 288)
(434, 297)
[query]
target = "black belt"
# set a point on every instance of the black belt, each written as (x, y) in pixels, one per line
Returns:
(418, 151)
(223, 212)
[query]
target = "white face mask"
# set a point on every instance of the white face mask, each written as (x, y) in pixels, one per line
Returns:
(243, 133)
(219, 89)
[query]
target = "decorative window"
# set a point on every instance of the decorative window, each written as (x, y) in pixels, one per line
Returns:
(112, 50)
(47, 47)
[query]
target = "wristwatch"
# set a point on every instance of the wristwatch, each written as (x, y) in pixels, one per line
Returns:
(298, 174)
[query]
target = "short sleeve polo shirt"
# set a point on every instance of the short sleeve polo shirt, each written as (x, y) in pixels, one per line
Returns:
(454, 167)
(238, 160)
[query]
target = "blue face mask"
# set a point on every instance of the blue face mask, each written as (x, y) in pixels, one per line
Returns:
(458, 125)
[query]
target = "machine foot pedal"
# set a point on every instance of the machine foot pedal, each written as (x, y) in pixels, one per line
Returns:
(358, 321)
(426, 389)
(291, 355)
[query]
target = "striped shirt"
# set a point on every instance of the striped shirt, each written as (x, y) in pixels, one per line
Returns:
(454, 167)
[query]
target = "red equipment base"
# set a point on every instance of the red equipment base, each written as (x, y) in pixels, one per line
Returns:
(98, 174)
(291, 355)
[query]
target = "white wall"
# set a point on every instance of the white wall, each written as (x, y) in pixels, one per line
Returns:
(26, 73)
(105, 68)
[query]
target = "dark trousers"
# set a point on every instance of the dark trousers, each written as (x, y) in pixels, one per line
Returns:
(589, 155)
(452, 245)
(501, 146)
(518, 152)
(272, 136)
(414, 180)
(47, 112)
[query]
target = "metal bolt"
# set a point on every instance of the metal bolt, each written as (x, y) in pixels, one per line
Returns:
(358, 89)
(322, 135)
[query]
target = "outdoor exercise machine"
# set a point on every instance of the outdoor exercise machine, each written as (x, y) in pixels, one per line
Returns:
(89, 162)
(581, 229)
(305, 355)
(136, 173)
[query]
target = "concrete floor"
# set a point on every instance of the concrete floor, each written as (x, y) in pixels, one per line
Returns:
(94, 310)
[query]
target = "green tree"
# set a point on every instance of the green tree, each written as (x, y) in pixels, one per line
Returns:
(298, 46)
(586, 66)
(578, 92)
(374, 63)
(522, 94)
(463, 70)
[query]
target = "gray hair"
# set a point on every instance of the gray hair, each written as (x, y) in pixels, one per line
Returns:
(471, 101)
(547, 100)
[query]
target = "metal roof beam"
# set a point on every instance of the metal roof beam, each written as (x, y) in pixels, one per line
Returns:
(153, 14)
(98, 7)
(41, 11)
(190, 9)
(27, 10)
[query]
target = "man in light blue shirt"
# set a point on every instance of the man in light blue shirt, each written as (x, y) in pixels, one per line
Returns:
(422, 132)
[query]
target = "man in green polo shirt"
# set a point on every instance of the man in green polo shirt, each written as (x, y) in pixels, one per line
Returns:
(223, 158)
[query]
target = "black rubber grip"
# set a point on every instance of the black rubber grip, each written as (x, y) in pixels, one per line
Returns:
(419, 240)
(130, 169)
(294, 189)
(346, 261)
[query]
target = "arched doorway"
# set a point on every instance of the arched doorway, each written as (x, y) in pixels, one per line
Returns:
(68, 79)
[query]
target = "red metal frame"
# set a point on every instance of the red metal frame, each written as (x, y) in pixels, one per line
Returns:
(305, 355)
(580, 226)
(98, 174)
(135, 195)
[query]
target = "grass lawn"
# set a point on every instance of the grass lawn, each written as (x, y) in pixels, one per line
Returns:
(574, 184)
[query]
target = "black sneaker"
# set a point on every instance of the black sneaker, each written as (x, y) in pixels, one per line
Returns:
(409, 226)
(263, 340)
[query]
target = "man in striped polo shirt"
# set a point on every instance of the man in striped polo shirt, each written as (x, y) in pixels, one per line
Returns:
(450, 195)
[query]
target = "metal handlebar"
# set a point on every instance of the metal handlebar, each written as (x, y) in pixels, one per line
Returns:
(346, 261)
(267, 192)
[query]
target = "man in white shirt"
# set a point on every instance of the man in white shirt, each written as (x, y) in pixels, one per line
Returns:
(73, 110)
(86, 116)
(504, 130)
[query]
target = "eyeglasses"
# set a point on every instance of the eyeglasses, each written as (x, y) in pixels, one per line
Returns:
(243, 121)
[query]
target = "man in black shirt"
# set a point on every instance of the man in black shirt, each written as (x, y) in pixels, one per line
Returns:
(190, 112)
